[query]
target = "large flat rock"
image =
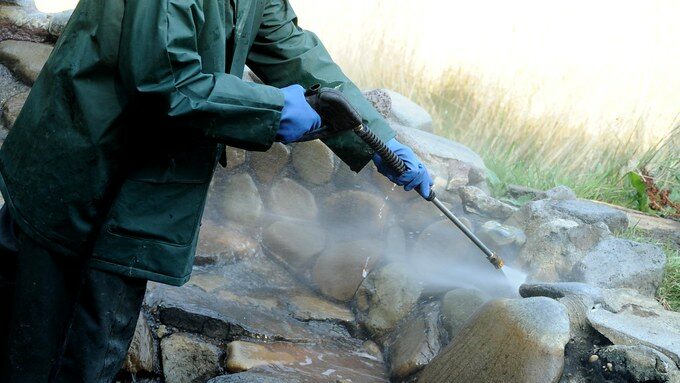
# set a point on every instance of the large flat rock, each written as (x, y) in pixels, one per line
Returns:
(636, 325)
(25, 59)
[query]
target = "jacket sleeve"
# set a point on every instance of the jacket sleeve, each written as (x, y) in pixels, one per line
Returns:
(159, 61)
(285, 54)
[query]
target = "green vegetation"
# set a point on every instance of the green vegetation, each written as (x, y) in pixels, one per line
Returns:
(519, 149)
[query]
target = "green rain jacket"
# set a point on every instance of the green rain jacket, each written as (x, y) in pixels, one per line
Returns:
(114, 150)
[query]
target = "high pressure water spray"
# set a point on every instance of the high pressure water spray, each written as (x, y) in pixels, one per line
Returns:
(338, 115)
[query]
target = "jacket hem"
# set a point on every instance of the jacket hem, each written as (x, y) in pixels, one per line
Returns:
(133, 272)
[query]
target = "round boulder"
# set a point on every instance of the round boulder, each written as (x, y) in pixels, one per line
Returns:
(290, 199)
(340, 269)
(357, 209)
(295, 243)
(241, 200)
(314, 162)
(509, 341)
(267, 165)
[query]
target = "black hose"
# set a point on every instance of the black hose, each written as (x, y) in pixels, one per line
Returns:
(390, 158)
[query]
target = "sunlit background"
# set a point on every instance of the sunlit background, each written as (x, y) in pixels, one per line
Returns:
(597, 61)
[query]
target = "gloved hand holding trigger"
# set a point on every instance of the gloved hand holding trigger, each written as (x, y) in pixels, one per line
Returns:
(297, 117)
(415, 177)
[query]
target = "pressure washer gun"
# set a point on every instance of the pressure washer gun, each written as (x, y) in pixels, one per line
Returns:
(338, 115)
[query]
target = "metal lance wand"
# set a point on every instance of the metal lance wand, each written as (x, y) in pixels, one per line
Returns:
(338, 115)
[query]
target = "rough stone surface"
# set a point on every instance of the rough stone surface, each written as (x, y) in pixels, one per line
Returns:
(27, 24)
(293, 242)
(561, 290)
(444, 158)
(458, 306)
(400, 109)
(340, 269)
(241, 200)
(9, 87)
(501, 235)
(360, 210)
(307, 307)
(25, 59)
(387, 296)
(635, 325)
(591, 212)
(638, 364)
(243, 356)
(477, 201)
(218, 244)
(12, 108)
(560, 193)
(289, 199)
(622, 263)
(267, 165)
(189, 360)
(416, 342)
(141, 355)
(555, 241)
(235, 157)
(506, 341)
(314, 162)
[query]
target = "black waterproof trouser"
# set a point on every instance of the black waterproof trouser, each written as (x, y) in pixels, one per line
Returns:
(61, 320)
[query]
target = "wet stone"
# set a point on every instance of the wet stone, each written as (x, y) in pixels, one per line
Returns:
(416, 342)
(25, 59)
(187, 359)
(270, 164)
(294, 242)
(386, 297)
(314, 162)
(235, 157)
(639, 364)
(243, 356)
(501, 235)
(12, 108)
(513, 341)
(307, 307)
(341, 268)
(141, 356)
(223, 244)
(458, 306)
(361, 211)
(289, 199)
(241, 201)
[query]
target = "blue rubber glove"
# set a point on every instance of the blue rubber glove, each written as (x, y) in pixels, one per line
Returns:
(297, 117)
(415, 177)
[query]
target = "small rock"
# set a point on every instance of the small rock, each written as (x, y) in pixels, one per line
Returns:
(388, 295)
(235, 157)
(258, 377)
(458, 306)
(359, 210)
(314, 162)
(593, 359)
(141, 355)
(294, 242)
(289, 199)
(311, 307)
(267, 165)
(658, 329)
(478, 202)
(560, 193)
(619, 262)
(373, 349)
(25, 59)
(243, 356)
(340, 269)
(162, 331)
(12, 108)
(508, 341)
(241, 201)
(188, 360)
(639, 364)
(207, 282)
(218, 244)
(416, 342)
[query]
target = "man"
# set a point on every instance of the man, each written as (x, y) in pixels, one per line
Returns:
(106, 170)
